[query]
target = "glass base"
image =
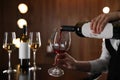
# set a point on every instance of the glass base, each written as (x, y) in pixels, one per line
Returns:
(55, 72)
(35, 68)
(9, 71)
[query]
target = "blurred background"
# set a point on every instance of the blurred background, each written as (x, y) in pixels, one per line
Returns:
(45, 16)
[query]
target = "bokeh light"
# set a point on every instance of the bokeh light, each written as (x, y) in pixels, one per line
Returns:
(23, 8)
(21, 22)
(106, 10)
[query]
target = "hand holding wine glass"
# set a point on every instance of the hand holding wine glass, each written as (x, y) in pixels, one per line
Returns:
(60, 42)
(9, 46)
(35, 43)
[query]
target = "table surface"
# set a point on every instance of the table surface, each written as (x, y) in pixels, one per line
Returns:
(43, 74)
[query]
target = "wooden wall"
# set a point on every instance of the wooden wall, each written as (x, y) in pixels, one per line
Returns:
(45, 15)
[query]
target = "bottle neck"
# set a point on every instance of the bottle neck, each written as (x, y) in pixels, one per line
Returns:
(77, 29)
(24, 30)
(68, 28)
(24, 37)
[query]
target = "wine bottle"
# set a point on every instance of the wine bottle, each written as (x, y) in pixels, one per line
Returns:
(24, 49)
(82, 29)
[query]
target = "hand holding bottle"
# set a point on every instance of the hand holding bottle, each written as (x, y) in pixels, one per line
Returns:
(99, 22)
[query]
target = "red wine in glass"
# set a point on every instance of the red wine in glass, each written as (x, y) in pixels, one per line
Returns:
(60, 42)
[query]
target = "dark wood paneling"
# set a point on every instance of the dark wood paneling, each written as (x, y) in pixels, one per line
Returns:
(45, 15)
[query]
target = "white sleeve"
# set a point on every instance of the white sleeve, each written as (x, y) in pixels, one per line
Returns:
(101, 63)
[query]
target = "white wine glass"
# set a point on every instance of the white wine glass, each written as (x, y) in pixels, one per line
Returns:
(9, 46)
(35, 43)
(60, 42)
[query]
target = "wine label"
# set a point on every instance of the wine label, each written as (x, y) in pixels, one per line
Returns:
(24, 51)
(107, 33)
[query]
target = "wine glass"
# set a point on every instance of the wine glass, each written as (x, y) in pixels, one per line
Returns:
(35, 43)
(60, 42)
(9, 46)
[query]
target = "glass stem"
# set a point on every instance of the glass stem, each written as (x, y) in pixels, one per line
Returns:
(34, 75)
(34, 58)
(9, 61)
(56, 66)
(9, 76)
